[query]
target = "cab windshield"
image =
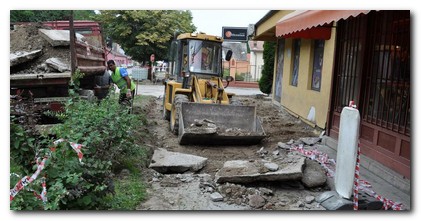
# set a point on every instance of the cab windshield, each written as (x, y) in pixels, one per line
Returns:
(204, 57)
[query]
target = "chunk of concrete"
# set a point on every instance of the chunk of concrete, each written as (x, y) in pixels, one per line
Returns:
(271, 166)
(241, 171)
(256, 201)
(58, 37)
(58, 64)
(284, 146)
(310, 140)
(165, 161)
(20, 57)
(216, 197)
(331, 200)
(314, 175)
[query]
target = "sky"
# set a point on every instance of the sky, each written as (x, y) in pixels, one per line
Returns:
(212, 24)
(212, 21)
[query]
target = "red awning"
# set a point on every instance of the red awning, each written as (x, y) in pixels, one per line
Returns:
(314, 24)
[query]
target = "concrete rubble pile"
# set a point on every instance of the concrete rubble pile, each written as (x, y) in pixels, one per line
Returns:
(36, 50)
(231, 183)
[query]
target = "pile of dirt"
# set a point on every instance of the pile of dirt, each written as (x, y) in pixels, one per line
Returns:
(26, 38)
(278, 125)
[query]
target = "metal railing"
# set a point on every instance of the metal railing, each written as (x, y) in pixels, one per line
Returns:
(250, 73)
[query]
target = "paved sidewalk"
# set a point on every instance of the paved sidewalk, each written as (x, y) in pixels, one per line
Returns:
(385, 182)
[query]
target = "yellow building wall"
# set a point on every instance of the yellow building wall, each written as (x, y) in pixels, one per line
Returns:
(299, 99)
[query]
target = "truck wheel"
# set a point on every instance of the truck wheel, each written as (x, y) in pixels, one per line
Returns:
(175, 111)
(165, 112)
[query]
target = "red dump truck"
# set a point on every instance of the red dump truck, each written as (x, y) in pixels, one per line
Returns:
(43, 58)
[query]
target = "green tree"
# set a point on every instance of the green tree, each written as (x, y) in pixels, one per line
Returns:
(84, 14)
(49, 15)
(265, 82)
(144, 32)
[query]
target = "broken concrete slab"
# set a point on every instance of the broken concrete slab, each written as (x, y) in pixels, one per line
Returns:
(58, 64)
(165, 161)
(240, 171)
(20, 57)
(58, 37)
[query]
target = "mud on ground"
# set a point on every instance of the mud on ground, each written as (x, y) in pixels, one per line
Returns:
(184, 192)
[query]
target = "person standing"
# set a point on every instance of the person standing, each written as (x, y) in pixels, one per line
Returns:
(121, 78)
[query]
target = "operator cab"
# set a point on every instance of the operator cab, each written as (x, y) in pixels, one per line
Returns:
(196, 54)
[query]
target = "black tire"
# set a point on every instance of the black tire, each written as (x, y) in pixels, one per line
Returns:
(165, 112)
(103, 80)
(175, 112)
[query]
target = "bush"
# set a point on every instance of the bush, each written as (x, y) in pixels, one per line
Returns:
(265, 82)
(239, 77)
(105, 131)
(226, 73)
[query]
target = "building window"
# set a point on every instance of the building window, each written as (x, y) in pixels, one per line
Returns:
(279, 69)
(296, 61)
(316, 79)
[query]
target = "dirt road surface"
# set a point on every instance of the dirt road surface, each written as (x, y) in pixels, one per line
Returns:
(197, 191)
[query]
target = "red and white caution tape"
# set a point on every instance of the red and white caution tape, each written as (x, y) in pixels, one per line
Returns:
(330, 165)
(26, 180)
(39, 169)
(18, 187)
(357, 178)
(357, 168)
(322, 158)
(77, 147)
(387, 204)
(43, 195)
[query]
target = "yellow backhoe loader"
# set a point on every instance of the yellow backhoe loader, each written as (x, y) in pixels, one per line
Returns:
(195, 102)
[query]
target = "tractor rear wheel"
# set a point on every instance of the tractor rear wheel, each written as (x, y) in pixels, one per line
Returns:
(165, 112)
(175, 112)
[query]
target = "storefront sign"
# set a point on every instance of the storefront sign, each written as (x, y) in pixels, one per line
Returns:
(234, 33)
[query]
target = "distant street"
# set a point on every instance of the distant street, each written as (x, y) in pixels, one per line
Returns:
(158, 90)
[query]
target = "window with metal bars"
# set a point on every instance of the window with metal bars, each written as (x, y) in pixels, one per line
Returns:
(372, 68)
(295, 62)
(387, 93)
(316, 79)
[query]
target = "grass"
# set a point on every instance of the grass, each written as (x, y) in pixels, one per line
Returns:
(139, 99)
(129, 192)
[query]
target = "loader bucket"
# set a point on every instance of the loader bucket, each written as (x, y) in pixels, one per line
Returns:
(216, 124)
